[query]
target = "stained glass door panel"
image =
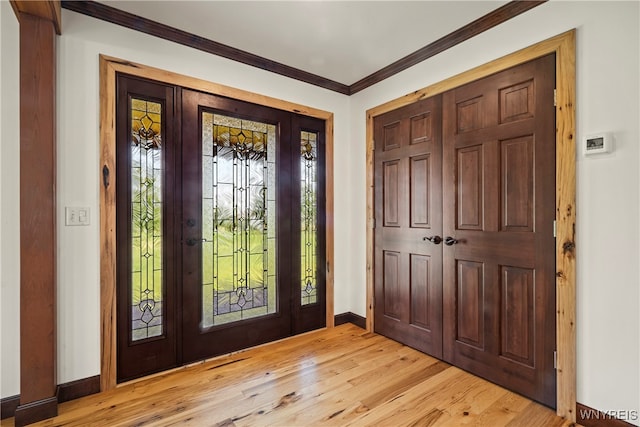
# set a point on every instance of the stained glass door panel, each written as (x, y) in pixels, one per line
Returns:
(308, 217)
(145, 217)
(238, 219)
(237, 202)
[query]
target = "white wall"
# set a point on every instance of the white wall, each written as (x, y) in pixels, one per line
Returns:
(608, 186)
(10, 201)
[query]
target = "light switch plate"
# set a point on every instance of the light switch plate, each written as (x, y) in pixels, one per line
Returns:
(77, 216)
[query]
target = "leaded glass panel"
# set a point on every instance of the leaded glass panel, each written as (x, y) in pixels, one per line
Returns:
(309, 216)
(238, 211)
(146, 219)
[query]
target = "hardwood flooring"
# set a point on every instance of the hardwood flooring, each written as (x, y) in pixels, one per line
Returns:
(336, 377)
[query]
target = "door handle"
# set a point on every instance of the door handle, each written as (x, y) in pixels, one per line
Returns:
(433, 239)
(450, 241)
(192, 241)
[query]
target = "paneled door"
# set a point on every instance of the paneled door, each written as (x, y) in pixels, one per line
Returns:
(499, 211)
(408, 233)
(220, 225)
(464, 233)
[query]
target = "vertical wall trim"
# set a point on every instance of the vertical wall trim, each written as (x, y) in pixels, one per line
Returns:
(37, 220)
(108, 69)
(563, 46)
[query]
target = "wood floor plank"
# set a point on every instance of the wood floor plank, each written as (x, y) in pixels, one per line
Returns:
(342, 376)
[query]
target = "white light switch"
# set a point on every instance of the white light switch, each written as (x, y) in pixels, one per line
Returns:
(76, 216)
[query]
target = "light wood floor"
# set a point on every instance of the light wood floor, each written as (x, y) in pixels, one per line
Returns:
(342, 376)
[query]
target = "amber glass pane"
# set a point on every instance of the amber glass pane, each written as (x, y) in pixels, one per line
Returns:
(146, 219)
(238, 219)
(309, 215)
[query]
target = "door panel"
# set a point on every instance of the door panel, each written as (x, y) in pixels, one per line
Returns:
(420, 170)
(146, 286)
(309, 297)
(408, 194)
(231, 255)
(499, 204)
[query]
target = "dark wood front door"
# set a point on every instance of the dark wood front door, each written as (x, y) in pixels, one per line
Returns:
(479, 292)
(221, 225)
(499, 211)
(408, 233)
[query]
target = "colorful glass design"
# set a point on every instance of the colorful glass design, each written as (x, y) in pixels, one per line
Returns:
(309, 217)
(238, 211)
(146, 219)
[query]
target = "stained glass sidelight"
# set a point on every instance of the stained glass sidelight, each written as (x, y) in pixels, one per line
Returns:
(146, 219)
(238, 219)
(309, 213)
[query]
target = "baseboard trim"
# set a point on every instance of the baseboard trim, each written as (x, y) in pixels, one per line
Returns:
(8, 406)
(79, 388)
(589, 417)
(39, 410)
(349, 317)
(65, 392)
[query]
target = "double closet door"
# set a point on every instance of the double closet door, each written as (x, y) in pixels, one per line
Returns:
(464, 237)
(220, 225)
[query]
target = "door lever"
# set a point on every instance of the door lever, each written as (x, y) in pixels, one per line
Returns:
(450, 241)
(433, 239)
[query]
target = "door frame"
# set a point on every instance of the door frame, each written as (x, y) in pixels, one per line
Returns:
(109, 66)
(563, 46)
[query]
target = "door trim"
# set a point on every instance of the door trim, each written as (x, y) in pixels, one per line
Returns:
(563, 46)
(109, 66)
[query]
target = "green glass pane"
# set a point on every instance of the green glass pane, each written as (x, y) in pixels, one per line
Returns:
(146, 219)
(238, 167)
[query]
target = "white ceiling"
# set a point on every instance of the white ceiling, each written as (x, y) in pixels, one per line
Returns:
(344, 41)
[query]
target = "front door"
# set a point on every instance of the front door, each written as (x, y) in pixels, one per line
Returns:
(216, 198)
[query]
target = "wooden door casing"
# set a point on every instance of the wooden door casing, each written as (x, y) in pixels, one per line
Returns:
(499, 204)
(408, 204)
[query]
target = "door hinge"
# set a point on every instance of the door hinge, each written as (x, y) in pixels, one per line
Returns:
(555, 359)
(555, 97)
(555, 228)
(373, 223)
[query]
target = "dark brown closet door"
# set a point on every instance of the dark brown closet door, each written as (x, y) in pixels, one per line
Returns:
(499, 208)
(408, 211)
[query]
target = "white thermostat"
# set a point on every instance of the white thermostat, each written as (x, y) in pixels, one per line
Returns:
(598, 143)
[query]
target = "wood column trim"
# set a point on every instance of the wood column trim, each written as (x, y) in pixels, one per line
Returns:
(37, 220)
(563, 46)
(47, 10)
(108, 68)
